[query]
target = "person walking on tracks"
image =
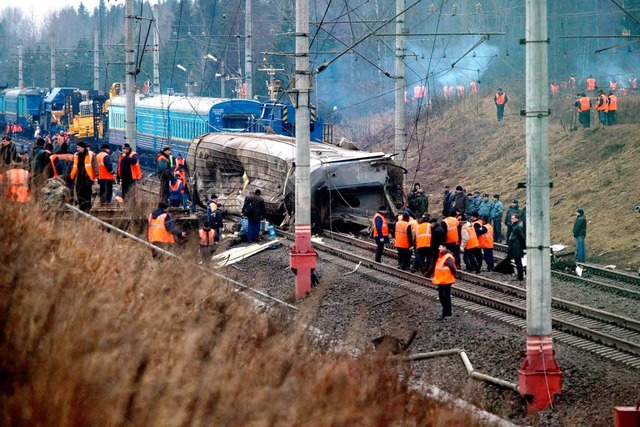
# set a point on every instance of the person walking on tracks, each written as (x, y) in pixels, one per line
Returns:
(444, 276)
(380, 231)
(404, 241)
(516, 245)
(580, 233)
(105, 174)
(83, 173)
(129, 171)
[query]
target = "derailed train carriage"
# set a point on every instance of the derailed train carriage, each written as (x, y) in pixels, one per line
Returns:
(347, 186)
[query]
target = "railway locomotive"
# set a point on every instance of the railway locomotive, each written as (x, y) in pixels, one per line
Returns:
(20, 108)
(347, 186)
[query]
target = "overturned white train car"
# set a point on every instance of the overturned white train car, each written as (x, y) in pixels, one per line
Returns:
(347, 186)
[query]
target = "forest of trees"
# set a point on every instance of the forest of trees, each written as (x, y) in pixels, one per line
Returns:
(191, 29)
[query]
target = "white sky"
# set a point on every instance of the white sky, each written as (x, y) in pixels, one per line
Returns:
(41, 8)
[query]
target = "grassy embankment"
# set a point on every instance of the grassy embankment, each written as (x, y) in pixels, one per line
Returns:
(461, 142)
(93, 331)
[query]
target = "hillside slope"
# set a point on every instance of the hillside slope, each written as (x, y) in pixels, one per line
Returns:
(597, 168)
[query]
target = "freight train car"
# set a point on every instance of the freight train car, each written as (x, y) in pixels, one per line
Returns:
(175, 121)
(347, 186)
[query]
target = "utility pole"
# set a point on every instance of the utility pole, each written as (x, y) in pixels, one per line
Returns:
(248, 54)
(53, 60)
(401, 131)
(223, 75)
(130, 116)
(20, 68)
(96, 59)
(540, 378)
(156, 49)
(302, 258)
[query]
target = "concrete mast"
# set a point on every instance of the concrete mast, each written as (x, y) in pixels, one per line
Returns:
(540, 379)
(96, 59)
(130, 116)
(248, 50)
(223, 76)
(20, 68)
(303, 257)
(401, 131)
(156, 50)
(53, 60)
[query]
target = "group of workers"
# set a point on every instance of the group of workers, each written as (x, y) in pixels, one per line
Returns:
(606, 107)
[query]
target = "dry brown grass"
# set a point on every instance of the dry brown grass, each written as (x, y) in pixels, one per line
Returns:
(93, 331)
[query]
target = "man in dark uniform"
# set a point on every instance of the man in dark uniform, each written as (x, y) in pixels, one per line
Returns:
(254, 209)
(516, 245)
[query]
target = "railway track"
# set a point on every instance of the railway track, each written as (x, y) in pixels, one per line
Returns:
(623, 285)
(609, 335)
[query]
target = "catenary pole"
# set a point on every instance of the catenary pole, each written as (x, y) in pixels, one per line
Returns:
(248, 50)
(53, 60)
(401, 132)
(20, 68)
(130, 116)
(303, 257)
(96, 59)
(156, 49)
(540, 377)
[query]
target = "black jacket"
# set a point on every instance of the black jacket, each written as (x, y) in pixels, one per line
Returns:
(517, 241)
(254, 208)
(580, 226)
(8, 153)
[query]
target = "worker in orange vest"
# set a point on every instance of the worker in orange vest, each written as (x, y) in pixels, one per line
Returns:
(444, 276)
(591, 83)
(583, 104)
(474, 86)
(16, 181)
(162, 231)
(500, 99)
(105, 174)
(469, 246)
(554, 88)
(423, 244)
(206, 239)
(84, 173)
(613, 85)
(129, 171)
(613, 109)
(602, 106)
(404, 241)
(380, 231)
(485, 241)
(450, 225)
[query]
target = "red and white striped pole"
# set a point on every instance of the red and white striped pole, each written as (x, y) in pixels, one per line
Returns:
(303, 257)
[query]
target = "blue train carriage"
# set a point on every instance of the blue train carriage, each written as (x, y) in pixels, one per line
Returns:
(3, 122)
(22, 107)
(280, 118)
(175, 121)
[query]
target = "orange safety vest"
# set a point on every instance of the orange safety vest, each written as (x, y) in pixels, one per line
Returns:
(176, 185)
(181, 176)
(103, 173)
(62, 156)
(136, 172)
(603, 104)
(402, 239)
(206, 237)
(88, 165)
(423, 235)
(179, 162)
(157, 232)
(243, 91)
(485, 241)
(417, 92)
(554, 89)
(591, 83)
(613, 85)
(613, 103)
(442, 274)
(460, 90)
(500, 98)
(474, 86)
(385, 226)
(633, 83)
(18, 185)
(585, 104)
(472, 243)
(452, 230)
